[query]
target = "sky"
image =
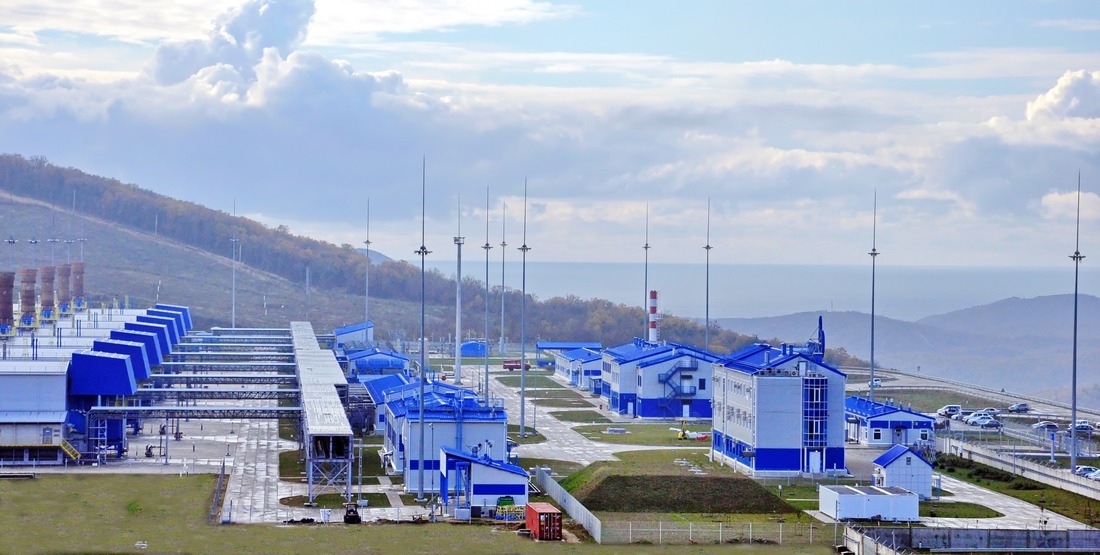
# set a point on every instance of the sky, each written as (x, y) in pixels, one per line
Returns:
(941, 133)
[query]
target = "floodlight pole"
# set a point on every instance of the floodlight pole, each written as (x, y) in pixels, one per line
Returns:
(423, 252)
(1077, 257)
(366, 282)
(706, 333)
(487, 247)
(645, 272)
(523, 323)
(503, 252)
(459, 241)
(874, 254)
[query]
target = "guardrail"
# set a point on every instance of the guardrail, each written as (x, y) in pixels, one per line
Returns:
(1021, 396)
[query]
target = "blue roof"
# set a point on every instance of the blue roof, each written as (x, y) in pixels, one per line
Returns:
(377, 387)
(865, 408)
(894, 453)
(637, 350)
(567, 345)
(760, 356)
(353, 328)
(485, 461)
(583, 355)
(442, 403)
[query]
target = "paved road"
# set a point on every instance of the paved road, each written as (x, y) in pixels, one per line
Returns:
(1018, 515)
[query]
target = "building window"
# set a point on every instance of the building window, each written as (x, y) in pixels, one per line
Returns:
(908, 461)
(639, 380)
(924, 435)
(877, 434)
(702, 384)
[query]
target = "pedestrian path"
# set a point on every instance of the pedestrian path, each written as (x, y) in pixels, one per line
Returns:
(1018, 515)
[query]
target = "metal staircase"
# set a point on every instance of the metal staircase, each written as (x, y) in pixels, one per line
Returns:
(70, 450)
(674, 389)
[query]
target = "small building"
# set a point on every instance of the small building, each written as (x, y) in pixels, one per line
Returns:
(468, 480)
(376, 361)
(361, 334)
(892, 504)
(875, 423)
(474, 349)
(581, 367)
(905, 468)
(778, 410)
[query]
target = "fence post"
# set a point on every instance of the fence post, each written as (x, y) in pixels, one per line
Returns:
(750, 532)
(719, 533)
(630, 532)
(780, 533)
(690, 539)
(660, 533)
(811, 533)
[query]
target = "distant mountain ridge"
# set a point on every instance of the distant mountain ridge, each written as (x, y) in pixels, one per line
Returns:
(1019, 344)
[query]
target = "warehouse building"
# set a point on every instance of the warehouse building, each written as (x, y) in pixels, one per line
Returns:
(582, 367)
(874, 423)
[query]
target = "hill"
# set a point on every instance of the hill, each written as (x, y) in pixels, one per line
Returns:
(1008, 343)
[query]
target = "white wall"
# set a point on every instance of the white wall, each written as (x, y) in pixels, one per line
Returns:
(916, 476)
(32, 392)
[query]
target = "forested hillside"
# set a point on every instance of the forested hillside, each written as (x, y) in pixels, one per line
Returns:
(129, 223)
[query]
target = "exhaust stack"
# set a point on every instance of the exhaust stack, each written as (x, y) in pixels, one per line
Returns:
(64, 296)
(79, 303)
(654, 334)
(47, 308)
(28, 316)
(7, 306)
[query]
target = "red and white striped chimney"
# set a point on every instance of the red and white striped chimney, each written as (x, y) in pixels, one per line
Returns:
(653, 334)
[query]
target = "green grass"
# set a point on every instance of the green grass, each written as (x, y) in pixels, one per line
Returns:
(537, 381)
(532, 435)
(654, 482)
(1077, 507)
(81, 513)
(555, 394)
(559, 468)
(335, 500)
(646, 434)
(956, 510)
(930, 400)
(579, 416)
(563, 403)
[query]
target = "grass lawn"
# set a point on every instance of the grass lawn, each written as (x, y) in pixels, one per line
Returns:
(563, 403)
(532, 435)
(292, 468)
(956, 510)
(658, 482)
(81, 513)
(1077, 507)
(579, 416)
(646, 434)
(557, 468)
(532, 382)
(555, 394)
(930, 400)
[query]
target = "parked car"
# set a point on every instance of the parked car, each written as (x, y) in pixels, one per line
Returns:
(1019, 407)
(1083, 426)
(978, 414)
(981, 421)
(990, 423)
(949, 410)
(1093, 475)
(962, 414)
(1044, 426)
(877, 382)
(1082, 470)
(991, 411)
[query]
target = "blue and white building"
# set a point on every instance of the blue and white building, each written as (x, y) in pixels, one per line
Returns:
(454, 417)
(357, 335)
(779, 410)
(879, 424)
(582, 367)
(658, 379)
(903, 467)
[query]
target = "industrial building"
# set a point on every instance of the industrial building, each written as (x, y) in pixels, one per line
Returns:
(658, 379)
(583, 368)
(905, 468)
(778, 410)
(890, 504)
(874, 423)
(454, 417)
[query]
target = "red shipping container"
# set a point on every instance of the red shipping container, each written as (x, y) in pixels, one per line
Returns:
(544, 521)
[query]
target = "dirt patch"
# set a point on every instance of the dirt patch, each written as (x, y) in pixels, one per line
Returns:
(687, 494)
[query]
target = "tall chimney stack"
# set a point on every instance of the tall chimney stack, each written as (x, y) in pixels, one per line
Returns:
(653, 333)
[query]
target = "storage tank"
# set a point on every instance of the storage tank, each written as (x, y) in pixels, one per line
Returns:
(7, 305)
(27, 313)
(64, 297)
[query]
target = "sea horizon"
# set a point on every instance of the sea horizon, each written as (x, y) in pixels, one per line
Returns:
(763, 290)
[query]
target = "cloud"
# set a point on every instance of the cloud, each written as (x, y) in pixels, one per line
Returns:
(239, 39)
(1071, 24)
(1076, 95)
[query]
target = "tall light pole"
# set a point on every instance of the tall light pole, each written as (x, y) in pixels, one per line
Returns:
(459, 241)
(706, 333)
(423, 252)
(523, 323)
(366, 282)
(645, 271)
(1077, 257)
(233, 257)
(487, 247)
(874, 254)
(503, 251)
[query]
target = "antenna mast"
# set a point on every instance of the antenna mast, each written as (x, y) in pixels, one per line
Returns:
(366, 282)
(645, 272)
(523, 323)
(874, 254)
(1077, 257)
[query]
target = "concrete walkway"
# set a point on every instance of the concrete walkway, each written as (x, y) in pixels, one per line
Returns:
(562, 441)
(1018, 515)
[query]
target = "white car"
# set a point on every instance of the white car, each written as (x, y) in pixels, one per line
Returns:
(877, 382)
(1084, 470)
(982, 421)
(1044, 426)
(977, 415)
(991, 411)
